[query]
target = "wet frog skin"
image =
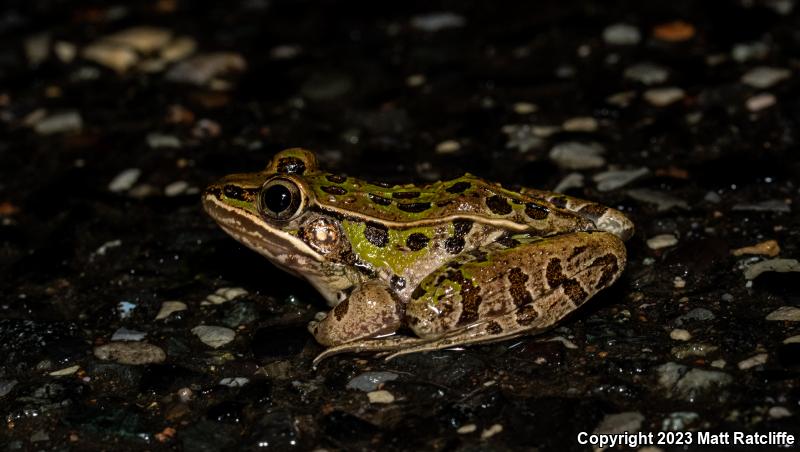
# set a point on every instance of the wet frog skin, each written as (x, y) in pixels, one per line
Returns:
(412, 268)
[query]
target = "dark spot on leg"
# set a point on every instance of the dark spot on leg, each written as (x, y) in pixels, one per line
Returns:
(535, 211)
(462, 227)
(398, 283)
(341, 309)
(379, 199)
(574, 291)
(417, 241)
(576, 251)
(405, 194)
(554, 274)
(610, 268)
(454, 245)
(526, 315)
(291, 165)
(414, 207)
(493, 328)
(458, 187)
(335, 178)
(470, 300)
(418, 292)
(519, 292)
(334, 190)
(498, 205)
(377, 234)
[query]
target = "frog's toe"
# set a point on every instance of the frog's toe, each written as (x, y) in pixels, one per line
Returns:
(385, 344)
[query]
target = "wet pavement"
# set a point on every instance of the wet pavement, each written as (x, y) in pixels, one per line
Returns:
(129, 320)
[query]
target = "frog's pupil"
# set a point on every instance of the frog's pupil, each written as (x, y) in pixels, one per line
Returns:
(277, 198)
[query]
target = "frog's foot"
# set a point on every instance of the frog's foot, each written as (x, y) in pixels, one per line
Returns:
(385, 344)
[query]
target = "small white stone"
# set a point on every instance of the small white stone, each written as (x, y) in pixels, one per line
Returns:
(760, 102)
(234, 382)
(614, 179)
(68, 121)
(176, 188)
(214, 336)
(124, 180)
(580, 124)
(124, 334)
(753, 361)
(37, 48)
(491, 431)
(159, 140)
(285, 51)
(204, 69)
(178, 49)
(170, 307)
(763, 76)
(621, 35)
(380, 396)
(524, 108)
(662, 241)
(65, 51)
(622, 99)
(66, 371)
(574, 155)
(566, 342)
(416, 80)
(747, 51)
(435, 21)
(680, 335)
(144, 39)
(448, 147)
(571, 180)
(718, 363)
(792, 340)
(678, 282)
(661, 97)
(778, 412)
(133, 353)
(466, 428)
(647, 73)
(785, 314)
(111, 55)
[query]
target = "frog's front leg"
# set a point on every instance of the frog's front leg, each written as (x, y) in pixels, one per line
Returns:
(370, 310)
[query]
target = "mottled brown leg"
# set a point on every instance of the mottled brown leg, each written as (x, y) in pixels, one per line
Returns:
(371, 310)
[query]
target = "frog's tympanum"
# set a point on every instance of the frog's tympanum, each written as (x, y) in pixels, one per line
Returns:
(411, 268)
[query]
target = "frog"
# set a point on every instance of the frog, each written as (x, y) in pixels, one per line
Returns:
(417, 268)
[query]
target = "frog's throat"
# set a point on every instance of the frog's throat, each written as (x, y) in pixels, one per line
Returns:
(283, 249)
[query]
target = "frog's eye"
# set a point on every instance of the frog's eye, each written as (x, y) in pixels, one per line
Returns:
(280, 199)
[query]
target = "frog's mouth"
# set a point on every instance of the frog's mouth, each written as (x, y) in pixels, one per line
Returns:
(284, 250)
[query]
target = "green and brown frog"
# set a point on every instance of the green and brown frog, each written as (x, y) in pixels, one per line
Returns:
(459, 262)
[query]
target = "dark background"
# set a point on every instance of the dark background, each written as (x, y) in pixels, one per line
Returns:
(721, 176)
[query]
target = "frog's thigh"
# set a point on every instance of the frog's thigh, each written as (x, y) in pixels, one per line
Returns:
(371, 310)
(529, 286)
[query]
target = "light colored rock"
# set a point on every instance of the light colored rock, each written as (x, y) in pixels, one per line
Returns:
(760, 102)
(436, 21)
(766, 248)
(491, 431)
(785, 314)
(571, 180)
(234, 382)
(614, 179)
(772, 265)
(65, 371)
(661, 97)
(124, 334)
(770, 205)
(662, 241)
(6, 386)
(747, 51)
(753, 361)
(131, 353)
(699, 380)
(370, 381)
(779, 412)
(622, 35)
(170, 307)
(178, 49)
(380, 396)
(647, 73)
(687, 350)
(214, 336)
(718, 363)
(64, 122)
(660, 199)
(143, 39)
(524, 108)
(114, 56)
(448, 147)
(65, 51)
(158, 140)
(792, 340)
(124, 180)
(573, 155)
(224, 295)
(580, 124)
(763, 77)
(678, 421)
(286, 52)
(37, 48)
(680, 335)
(176, 188)
(203, 69)
(466, 429)
(627, 422)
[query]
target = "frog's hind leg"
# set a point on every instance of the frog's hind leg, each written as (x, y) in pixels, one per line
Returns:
(384, 344)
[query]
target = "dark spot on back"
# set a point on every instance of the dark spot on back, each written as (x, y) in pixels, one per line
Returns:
(461, 227)
(498, 205)
(454, 245)
(379, 199)
(574, 291)
(397, 283)
(458, 187)
(377, 234)
(493, 328)
(334, 190)
(335, 178)
(405, 194)
(417, 241)
(577, 250)
(519, 292)
(470, 299)
(610, 268)
(291, 165)
(446, 202)
(535, 211)
(554, 274)
(526, 315)
(341, 309)
(414, 207)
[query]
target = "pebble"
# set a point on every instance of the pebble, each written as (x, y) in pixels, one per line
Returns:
(574, 155)
(170, 307)
(65, 51)
(580, 124)
(760, 102)
(125, 308)
(564, 341)
(614, 179)
(125, 180)
(6, 386)
(678, 421)
(522, 137)
(285, 51)
(524, 108)
(778, 412)
(622, 99)
(204, 69)
(214, 336)
(144, 39)
(680, 335)
(380, 396)
(37, 48)
(753, 361)
(763, 77)
(416, 80)
(124, 334)
(234, 382)
(747, 51)
(176, 188)
(436, 21)
(792, 340)
(132, 353)
(767, 248)
(224, 295)
(111, 55)
(39, 436)
(65, 122)
(370, 381)
(718, 363)
(661, 241)
(571, 180)
(771, 265)
(785, 314)
(621, 34)
(676, 31)
(661, 97)
(698, 380)
(448, 147)
(678, 282)
(647, 73)
(178, 49)
(770, 205)
(627, 422)
(491, 431)
(662, 200)
(687, 350)
(699, 314)
(159, 140)
(466, 428)
(64, 372)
